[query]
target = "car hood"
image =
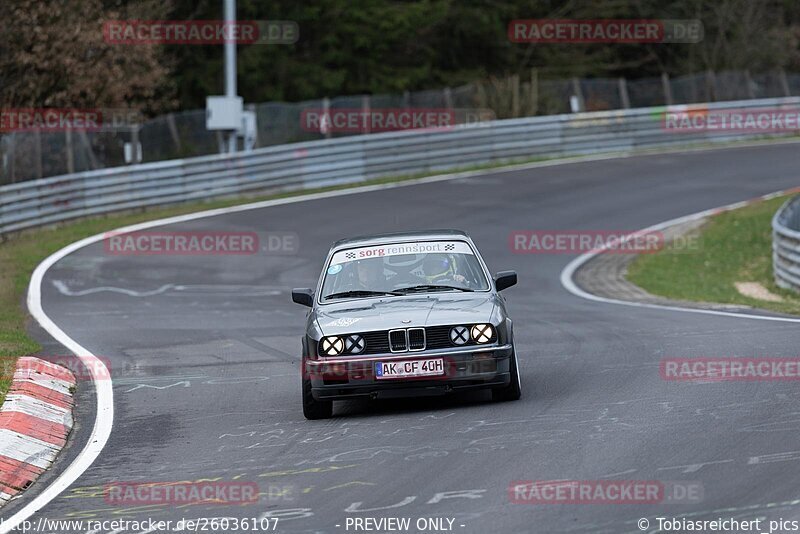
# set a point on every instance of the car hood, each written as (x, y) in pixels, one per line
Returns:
(366, 315)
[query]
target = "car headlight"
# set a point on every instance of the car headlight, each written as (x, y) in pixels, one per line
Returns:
(459, 335)
(482, 333)
(332, 345)
(354, 344)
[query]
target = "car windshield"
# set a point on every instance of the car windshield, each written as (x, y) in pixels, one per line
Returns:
(403, 268)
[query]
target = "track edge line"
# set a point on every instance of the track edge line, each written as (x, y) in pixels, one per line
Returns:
(103, 424)
(569, 270)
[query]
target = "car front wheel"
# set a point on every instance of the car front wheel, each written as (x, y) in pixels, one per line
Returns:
(313, 408)
(513, 391)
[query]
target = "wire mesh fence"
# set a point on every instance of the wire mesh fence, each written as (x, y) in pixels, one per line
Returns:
(29, 155)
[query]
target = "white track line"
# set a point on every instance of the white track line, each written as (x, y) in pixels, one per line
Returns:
(105, 400)
(105, 397)
(568, 271)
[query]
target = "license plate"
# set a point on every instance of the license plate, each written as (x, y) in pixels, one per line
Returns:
(409, 368)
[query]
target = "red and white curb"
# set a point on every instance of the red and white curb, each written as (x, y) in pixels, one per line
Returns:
(35, 420)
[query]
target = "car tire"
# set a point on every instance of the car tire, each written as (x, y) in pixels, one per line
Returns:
(313, 408)
(513, 391)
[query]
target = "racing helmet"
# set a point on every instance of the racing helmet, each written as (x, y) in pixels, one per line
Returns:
(436, 265)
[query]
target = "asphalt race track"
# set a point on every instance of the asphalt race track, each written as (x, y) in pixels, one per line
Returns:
(204, 355)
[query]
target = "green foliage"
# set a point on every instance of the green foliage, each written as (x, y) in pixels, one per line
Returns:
(735, 246)
(350, 47)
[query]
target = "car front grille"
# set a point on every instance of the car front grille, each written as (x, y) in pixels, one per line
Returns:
(397, 341)
(438, 337)
(418, 340)
(377, 342)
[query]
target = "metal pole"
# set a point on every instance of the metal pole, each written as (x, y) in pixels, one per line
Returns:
(748, 81)
(784, 83)
(624, 99)
(13, 157)
(365, 110)
(68, 147)
(578, 94)
(326, 112)
(230, 64)
(534, 96)
(711, 86)
(665, 84)
(38, 153)
(515, 95)
(135, 145)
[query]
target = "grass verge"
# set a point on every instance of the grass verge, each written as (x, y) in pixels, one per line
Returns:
(734, 246)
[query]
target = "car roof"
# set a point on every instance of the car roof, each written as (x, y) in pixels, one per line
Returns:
(399, 237)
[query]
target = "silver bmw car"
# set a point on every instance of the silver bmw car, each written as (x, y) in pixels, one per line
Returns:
(400, 315)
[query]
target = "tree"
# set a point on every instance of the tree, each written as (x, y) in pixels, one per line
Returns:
(53, 54)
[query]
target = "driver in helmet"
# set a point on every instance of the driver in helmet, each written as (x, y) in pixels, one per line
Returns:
(440, 269)
(369, 275)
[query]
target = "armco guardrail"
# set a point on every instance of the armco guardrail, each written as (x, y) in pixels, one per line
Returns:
(786, 245)
(350, 160)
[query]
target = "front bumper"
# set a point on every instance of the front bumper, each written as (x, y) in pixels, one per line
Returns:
(473, 367)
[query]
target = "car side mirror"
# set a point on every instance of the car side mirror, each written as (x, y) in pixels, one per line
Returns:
(505, 279)
(303, 295)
